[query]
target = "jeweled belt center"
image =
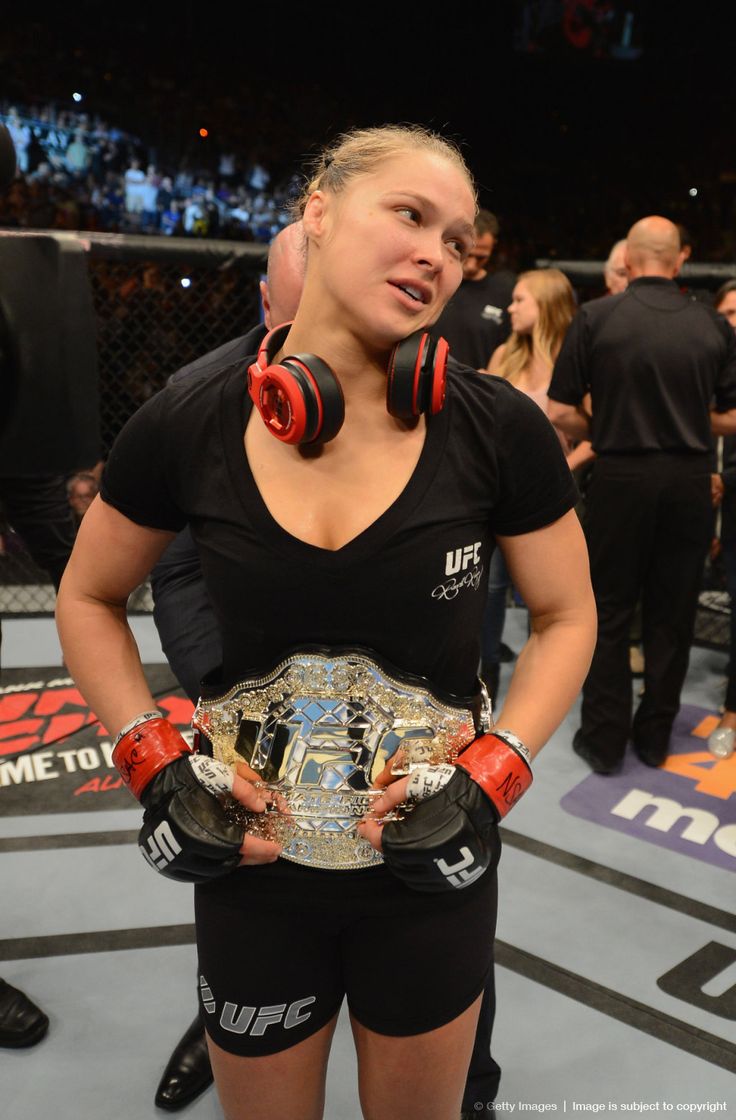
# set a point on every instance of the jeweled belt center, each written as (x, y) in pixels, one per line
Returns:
(318, 729)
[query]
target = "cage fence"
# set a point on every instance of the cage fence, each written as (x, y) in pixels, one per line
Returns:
(162, 303)
(159, 304)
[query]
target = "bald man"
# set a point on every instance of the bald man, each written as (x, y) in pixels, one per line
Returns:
(615, 273)
(653, 361)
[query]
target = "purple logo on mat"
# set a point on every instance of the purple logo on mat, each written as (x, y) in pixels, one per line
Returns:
(688, 805)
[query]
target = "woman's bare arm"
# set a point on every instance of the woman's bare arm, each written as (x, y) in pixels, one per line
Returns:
(580, 455)
(550, 569)
(112, 556)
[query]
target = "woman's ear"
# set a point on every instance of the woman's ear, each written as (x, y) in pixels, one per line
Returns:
(314, 215)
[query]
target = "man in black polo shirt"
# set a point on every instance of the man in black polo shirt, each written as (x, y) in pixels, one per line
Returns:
(655, 364)
(475, 320)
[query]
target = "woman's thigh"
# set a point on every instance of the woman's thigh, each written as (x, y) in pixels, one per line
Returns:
(270, 975)
(288, 1084)
(417, 1075)
(415, 961)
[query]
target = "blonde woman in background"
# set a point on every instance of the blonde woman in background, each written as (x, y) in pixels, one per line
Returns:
(541, 309)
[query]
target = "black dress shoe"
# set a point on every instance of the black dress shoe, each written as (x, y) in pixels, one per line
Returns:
(188, 1072)
(596, 764)
(21, 1022)
(651, 754)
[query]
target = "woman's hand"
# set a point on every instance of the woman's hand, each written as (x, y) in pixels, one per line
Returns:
(370, 828)
(254, 849)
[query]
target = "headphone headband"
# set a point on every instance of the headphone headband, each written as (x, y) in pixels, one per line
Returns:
(300, 399)
(271, 343)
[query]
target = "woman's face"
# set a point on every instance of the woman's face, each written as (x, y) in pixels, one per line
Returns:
(727, 307)
(523, 309)
(389, 249)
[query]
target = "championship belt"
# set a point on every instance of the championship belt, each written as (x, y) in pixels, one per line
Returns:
(319, 728)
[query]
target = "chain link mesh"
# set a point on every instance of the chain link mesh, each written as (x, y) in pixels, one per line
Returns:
(159, 305)
(154, 316)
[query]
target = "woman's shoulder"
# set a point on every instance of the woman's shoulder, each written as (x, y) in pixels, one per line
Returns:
(492, 404)
(185, 412)
(199, 391)
(497, 358)
(487, 389)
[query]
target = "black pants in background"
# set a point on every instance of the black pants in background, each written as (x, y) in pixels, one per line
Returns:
(39, 511)
(648, 523)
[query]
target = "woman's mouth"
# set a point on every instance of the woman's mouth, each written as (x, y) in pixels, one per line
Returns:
(414, 292)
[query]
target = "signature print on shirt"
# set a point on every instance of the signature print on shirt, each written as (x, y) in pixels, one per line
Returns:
(458, 563)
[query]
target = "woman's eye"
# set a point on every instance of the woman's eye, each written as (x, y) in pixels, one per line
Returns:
(411, 212)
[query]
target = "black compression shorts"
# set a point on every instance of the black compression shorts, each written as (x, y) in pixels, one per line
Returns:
(281, 945)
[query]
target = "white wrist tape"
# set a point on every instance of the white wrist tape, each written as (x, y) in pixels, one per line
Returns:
(212, 774)
(513, 741)
(426, 780)
(144, 717)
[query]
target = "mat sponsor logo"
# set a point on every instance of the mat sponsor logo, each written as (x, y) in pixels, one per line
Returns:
(687, 805)
(53, 745)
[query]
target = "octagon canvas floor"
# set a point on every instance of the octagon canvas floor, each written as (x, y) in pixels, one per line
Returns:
(616, 949)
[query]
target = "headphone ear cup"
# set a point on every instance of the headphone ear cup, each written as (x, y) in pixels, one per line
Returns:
(278, 393)
(328, 396)
(299, 399)
(417, 372)
(438, 376)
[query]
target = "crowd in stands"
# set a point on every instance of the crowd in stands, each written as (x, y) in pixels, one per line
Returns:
(563, 186)
(77, 172)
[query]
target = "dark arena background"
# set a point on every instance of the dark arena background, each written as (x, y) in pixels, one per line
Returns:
(616, 949)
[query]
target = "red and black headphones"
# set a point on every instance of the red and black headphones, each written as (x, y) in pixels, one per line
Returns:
(300, 399)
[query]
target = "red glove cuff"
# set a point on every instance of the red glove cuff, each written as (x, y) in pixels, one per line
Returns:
(145, 750)
(501, 772)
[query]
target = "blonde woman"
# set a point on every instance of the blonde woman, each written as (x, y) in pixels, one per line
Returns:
(541, 309)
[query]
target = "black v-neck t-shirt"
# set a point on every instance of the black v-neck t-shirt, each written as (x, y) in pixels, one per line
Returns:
(411, 586)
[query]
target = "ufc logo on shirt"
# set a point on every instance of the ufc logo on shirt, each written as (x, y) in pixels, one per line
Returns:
(162, 846)
(462, 873)
(461, 558)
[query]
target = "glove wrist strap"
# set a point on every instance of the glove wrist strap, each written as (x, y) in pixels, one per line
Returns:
(144, 750)
(499, 768)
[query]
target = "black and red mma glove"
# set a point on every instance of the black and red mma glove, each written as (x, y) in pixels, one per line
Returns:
(186, 834)
(450, 837)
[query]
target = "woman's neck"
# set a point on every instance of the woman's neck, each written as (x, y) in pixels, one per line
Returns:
(360, 371)
(537, 372)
